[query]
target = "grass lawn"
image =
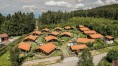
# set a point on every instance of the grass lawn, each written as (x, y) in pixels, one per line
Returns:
(56, 53)
(4, 61)
(103, 50)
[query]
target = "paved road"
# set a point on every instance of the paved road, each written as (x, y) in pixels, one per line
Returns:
(69, 61)
(32, 62)
(72, 62)
(97, 58)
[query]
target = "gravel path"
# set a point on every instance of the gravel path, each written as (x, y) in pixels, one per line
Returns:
(69, 61)
(97, 58)
(32, 62)
(72, 61)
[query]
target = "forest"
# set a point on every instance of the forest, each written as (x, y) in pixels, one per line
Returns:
(102, 19)
(17, 24)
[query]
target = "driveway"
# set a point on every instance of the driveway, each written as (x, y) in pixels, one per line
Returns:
(72, 61)
(69, 61)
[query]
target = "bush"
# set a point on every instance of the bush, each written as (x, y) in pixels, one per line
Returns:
(104, 62)
(112, 55)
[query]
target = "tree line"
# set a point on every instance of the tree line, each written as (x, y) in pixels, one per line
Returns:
(52, 17)
(17, 24)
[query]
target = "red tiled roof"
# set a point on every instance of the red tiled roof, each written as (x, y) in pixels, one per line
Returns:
(109, 37)
(3, 35)
(66, 33)
(36, 32)
(90, 32)
(55, 33)
(49, 47)
(31, 37)
(78, 47)
(58, 28)
(24, 46)
(48, 38)
(84, 29)
(95, 36)
(85, 40)
(46, 29)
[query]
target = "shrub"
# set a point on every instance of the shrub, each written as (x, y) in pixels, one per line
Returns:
(112, 55)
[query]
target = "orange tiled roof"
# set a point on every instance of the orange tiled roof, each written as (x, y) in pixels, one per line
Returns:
(78, 47)
(84, 29)
(66, 33)
(90, 32)
(85, 40)
(46, 29)
(31, 37)
(48, 38)
(109, 37)
(36, 32)
(68, 27)
(3, 35)
(55, 33)
(95, 36)
(49, 47)
(24, 46)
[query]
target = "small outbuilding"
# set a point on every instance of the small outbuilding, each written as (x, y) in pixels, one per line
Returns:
(55, 33)
(51, 38)
(84, 29)
(78, 47)
(68, 28)
(30, 38)
(4, 37)
(58, 29)
(109, 39)
(24, 46)
(80, 26)
(89, 32)
(85, 40)
(36, 33)
(47, 48)
(66, 34)
(45, 30)
(95, 36)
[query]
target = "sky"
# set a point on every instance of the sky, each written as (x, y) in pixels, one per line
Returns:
(39, 6)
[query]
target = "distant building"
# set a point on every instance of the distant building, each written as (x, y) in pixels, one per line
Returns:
(109, 39)
(78, 47)
(68, 28)
(66, 34)
(89, 32)
(85, 40)
(51, 38)
(4, 37)
(95, 36)
(58, 29)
